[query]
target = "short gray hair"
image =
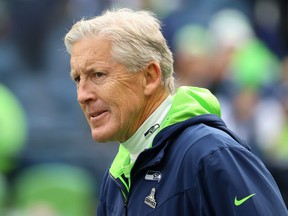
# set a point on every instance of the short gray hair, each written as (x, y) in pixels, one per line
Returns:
(136, 39)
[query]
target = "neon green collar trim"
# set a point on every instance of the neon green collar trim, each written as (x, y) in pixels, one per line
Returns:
(187, 102)
(122, 159)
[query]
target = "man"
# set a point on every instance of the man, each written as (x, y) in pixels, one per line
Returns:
(176, 156)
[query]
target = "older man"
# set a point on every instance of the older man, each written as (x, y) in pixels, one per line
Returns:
(176, 156)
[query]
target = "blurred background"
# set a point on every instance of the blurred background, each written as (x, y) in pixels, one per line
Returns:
(50, 166)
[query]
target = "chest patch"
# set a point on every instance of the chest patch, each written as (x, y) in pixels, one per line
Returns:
(153, 176)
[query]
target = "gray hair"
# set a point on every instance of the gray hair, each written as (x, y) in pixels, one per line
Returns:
(136, 40)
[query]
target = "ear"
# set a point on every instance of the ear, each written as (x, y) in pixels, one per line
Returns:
(152, 75)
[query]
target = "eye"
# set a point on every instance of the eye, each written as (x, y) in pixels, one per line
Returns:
(76, 79)
(98, 74)
(98, 77)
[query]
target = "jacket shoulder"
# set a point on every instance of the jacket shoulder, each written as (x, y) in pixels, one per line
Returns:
(201, 140)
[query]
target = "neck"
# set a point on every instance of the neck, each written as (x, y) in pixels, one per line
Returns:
(153, 102)
(145, 134)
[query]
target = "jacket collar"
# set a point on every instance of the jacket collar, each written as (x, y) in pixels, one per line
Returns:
(155, 154)
(188, 103)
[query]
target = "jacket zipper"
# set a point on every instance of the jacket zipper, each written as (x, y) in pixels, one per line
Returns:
(124, 184)
(124, 189)
(125, 208)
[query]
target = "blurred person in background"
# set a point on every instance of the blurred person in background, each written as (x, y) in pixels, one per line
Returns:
(198, 62)
(13, 138)
(176, 155)
(193, 56)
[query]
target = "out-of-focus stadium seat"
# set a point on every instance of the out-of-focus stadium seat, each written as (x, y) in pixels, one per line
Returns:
(54, 190)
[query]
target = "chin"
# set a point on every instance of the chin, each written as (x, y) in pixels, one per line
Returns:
(101, 137)
(98, 138)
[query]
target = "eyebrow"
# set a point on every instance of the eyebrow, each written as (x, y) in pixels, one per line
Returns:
(89, 70)
(73, 72)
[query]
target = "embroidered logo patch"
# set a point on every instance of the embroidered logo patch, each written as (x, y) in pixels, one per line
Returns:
(241, 201)
(153, 176)
(151, 130)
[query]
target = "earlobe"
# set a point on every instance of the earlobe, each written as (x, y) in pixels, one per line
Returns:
(152, 78)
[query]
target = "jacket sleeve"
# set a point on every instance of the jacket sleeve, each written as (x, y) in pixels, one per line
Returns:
(232, 181)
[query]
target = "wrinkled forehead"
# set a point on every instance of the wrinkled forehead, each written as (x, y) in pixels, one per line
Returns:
(89, 50)
(91, 46)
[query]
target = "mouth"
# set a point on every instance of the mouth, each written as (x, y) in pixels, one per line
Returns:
(96, 116)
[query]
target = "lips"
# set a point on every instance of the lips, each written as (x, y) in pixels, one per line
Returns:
(96, 117)
(96, 114)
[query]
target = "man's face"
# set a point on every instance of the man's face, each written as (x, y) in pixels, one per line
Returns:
(111, 98)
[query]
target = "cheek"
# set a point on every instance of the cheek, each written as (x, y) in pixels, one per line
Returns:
(126, 102)
(125, 97)
(126, 93)
(127, 106)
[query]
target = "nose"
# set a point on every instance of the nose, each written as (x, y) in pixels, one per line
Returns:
(84, 92)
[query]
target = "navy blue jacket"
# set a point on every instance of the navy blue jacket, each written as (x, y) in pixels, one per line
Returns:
(196, 167)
